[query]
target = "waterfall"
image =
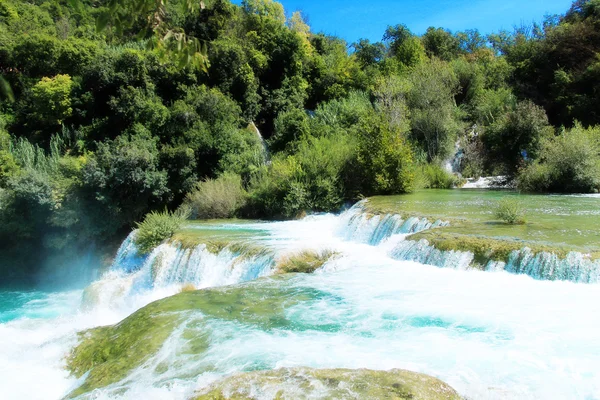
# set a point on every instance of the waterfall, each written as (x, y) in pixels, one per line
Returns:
(265, 149)
(358, 225)
(171, 266)
(127, 258)
(575, 267)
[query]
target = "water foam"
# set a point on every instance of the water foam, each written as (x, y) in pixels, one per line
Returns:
(493, 336)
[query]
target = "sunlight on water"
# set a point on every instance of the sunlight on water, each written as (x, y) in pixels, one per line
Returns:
(491, 335)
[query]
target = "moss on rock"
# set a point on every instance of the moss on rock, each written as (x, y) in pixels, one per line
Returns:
(487, 249)
(300, 383)
(110, 353)
(305, 262)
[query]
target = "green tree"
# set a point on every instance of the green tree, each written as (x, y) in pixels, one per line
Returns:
(385, 159)
(49, 102)
(434, 124)
(517, 136)
(441, 43)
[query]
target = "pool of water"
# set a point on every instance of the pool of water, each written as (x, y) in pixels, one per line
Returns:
(572, 221)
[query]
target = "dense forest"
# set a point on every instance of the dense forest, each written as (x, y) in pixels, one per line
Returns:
(101, 124)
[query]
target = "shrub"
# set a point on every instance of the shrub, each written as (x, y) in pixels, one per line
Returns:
(435, 177)
(311, 179)
(518, 135)
(568, 163)
(385, 159)
(217, 198)
(510, 211)
(158, 227)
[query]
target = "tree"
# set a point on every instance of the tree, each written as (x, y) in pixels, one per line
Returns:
(470, 41)
(384, 157)
(441, 43)
(367, 53)
(517, 136)
(433, 86)
(51, 100)
(265, 8)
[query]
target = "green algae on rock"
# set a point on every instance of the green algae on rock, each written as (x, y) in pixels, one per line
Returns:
(304, 262)
(109, 354)
(306, 383)
(487, 249)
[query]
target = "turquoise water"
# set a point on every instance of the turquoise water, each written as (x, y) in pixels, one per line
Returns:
(491, 335)
(31, 305)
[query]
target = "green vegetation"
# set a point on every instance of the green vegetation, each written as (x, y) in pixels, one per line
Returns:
(304, 262)
(158, 227)
(511, 211)
(111, 112)
(217, 198)
(291, 383)
(568, 163)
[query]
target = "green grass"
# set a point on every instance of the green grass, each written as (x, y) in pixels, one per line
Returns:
(511, 211)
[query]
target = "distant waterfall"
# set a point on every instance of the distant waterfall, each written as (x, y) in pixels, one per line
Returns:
(263, 142)
(575, 267)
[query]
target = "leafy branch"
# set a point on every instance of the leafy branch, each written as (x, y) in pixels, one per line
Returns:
(170, 42)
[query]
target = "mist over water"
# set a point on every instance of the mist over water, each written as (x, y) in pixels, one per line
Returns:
(490, 335)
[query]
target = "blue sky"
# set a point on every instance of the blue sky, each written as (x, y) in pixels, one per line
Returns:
(354, 19)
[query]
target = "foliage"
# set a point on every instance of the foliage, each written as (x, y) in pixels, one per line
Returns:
(217, 198)
(510, 211)
(384, 157)
(441, 43)
(436, 177)
(113, 110)
(158, 227)
(433, 111)
(313, 178)
(51, 99)
(568, 163)
(517, 135)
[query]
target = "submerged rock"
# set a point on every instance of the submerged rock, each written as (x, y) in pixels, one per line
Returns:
(108, 354)
(306, 383)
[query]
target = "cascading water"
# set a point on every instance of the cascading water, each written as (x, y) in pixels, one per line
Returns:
(170, 266)
(490, 335)
(575, 267)
(358, 225)
(265, 149)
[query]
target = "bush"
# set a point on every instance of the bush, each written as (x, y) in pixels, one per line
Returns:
(217, 198)
(311, 179)
(158, 227)
(517, 136)
(510, 211)
(385, 159)
(435, 177)
(569, 163)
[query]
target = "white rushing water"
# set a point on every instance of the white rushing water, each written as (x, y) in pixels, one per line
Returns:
(491, 335)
